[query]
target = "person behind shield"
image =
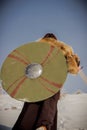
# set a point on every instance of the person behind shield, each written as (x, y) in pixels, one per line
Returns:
(43, 115)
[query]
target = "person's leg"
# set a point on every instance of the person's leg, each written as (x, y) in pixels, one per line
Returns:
(48, 114)
(18, 122)
(38, 115)
(28, 117)
(54, 126)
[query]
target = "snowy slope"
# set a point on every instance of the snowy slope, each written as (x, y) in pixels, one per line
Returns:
(9, 110)
(72, 113)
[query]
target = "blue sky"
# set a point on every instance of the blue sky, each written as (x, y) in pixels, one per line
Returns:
(23, 21)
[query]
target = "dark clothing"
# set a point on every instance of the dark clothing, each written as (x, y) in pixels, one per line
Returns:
(34, 115)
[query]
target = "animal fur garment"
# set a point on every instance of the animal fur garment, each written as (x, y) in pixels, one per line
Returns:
(43, 115)
(72, 59)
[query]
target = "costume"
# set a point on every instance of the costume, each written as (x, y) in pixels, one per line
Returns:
(44, 113)
(34, 115)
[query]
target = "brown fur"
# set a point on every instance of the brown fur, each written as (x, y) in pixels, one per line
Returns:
(71, 58)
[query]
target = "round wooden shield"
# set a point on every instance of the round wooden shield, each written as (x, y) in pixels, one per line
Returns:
(34, 72)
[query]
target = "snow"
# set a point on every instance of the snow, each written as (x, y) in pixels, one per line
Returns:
(72, 111)
(9, 110)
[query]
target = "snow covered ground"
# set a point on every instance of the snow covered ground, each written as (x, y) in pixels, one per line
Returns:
(72, 113)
